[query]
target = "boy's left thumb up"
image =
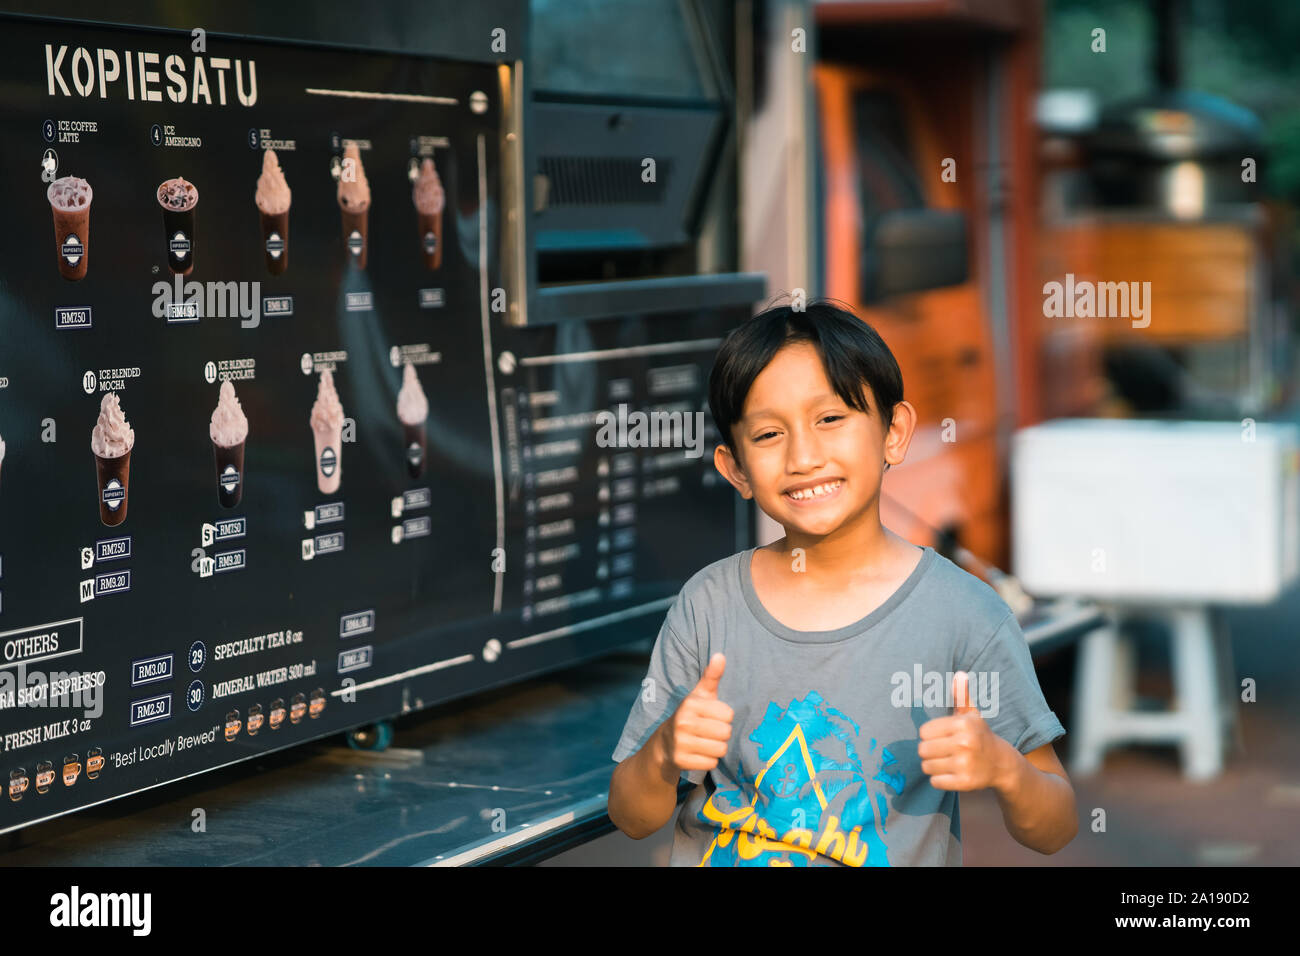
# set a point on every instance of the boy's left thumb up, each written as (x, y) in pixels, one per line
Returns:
(961, 694)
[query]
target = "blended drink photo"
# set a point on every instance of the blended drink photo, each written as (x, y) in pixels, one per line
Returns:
(228, 431)
(111, 442)
(429, 199)
(70, 202)
(354, 204)
(178, 199)
(412, 410)
(272, 198)
(327, 428)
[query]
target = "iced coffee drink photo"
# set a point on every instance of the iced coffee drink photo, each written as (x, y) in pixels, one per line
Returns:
(179, 200)
(354, 204)
(429, 199)
(228, 431)
(272, 199)
(70, 203)
(327, 430)
(111, 442)
(412, 410)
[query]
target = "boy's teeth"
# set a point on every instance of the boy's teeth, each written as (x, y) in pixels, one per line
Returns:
(815, 492)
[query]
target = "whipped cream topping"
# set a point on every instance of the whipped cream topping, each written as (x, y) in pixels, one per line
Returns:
(327, 411)
(427, 193)
(354, 195)
(229, 425)
(273, 195)
(113, 436)
(412, 405)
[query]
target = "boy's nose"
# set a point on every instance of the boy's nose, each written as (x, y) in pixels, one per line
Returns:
(804, 451)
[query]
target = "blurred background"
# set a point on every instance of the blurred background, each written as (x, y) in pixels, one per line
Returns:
(1074, 223)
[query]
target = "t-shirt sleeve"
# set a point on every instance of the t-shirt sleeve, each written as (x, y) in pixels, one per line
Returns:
(1004, 688)
(674, 671)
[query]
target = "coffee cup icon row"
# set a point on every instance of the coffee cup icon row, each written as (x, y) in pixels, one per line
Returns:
(70, 769)
(298, 706)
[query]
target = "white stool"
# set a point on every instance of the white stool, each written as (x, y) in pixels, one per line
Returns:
(1203, 712)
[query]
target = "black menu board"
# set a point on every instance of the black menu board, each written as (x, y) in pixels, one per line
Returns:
(274, 465)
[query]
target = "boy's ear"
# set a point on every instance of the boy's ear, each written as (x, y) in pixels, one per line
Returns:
(900, 433)
(729, 468)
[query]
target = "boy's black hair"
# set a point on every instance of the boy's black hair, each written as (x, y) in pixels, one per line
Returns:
(852, 352)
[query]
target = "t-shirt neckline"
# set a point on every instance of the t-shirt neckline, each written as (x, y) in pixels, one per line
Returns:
(764, 617)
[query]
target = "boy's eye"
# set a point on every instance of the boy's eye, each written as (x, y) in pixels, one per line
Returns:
(764, 435)
(831, 418)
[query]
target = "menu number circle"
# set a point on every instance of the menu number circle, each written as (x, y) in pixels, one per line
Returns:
(47, 130)
(155, 134)
(88, 383)
(194, 695)
(210, 372)
(198, 656)
(254, 140)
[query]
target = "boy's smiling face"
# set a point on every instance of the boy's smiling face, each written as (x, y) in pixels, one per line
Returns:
(812, 462)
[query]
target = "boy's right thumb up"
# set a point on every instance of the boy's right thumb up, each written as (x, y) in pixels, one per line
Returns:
(708, 685)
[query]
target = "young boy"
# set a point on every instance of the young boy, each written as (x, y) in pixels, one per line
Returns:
(833, 691)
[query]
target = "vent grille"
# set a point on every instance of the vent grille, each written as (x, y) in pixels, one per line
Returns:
(602, 180)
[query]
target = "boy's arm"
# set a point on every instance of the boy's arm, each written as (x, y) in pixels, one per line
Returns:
(1037, 800)
(643, 790)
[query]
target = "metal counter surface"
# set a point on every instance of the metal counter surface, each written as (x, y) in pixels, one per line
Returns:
(534, 756)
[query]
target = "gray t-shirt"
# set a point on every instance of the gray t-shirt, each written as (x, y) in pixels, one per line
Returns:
(822, 768)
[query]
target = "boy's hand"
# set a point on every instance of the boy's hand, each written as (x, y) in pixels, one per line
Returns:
(962, 752)
(699, 731)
